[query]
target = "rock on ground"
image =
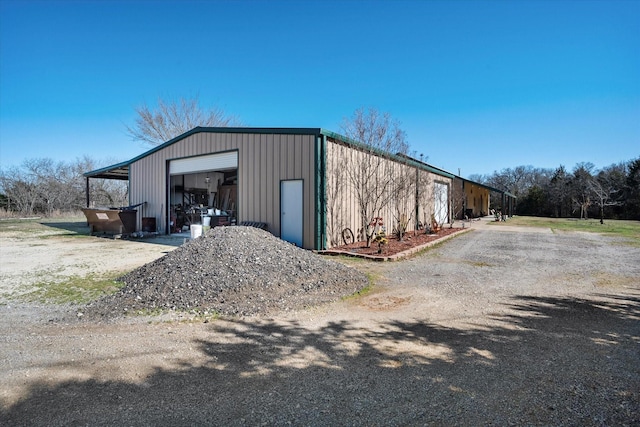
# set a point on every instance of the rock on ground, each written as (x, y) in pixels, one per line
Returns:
(232, 271)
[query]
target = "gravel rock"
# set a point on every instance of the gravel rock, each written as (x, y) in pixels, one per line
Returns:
(497, 327)
(232, 271)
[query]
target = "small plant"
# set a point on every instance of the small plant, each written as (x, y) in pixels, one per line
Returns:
(373, 229)
(362, 292)
(73, 289)
(381, 240)
(401, 229)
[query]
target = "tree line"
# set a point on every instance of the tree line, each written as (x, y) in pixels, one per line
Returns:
(44, 187)
(584, 192)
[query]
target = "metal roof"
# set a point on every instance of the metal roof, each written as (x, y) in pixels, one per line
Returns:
(399, 157)
(426, 166)
(121, 170)
(117, 171)
(488, 187)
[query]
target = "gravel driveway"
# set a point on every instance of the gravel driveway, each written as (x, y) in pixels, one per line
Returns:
(494, 327)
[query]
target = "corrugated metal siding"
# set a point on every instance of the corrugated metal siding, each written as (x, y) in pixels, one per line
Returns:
(263, 161)
(341, 200)
(425, 196)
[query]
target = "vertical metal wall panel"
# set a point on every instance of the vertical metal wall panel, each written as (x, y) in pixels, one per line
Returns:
(343, 198)
(297, 166)
(263, 161)
(338, 194)
(243, 175)
(279, 168)
(291, 156)
(284, 152)
(306, 154)
(269, 178)
(263, 173)
(307, 168)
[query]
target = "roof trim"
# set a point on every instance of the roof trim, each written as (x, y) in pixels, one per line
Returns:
(121, 170)
(427, 166)
(117, 171)
(105, 172)
(402, 158)
(200, 129)
(488, 187)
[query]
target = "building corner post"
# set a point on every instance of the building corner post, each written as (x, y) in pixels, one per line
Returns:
(87, 192)
(320, 190)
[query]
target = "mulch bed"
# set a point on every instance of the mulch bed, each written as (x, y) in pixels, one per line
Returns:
(395, 246)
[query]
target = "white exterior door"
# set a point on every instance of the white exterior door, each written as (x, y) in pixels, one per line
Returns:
(291, 211)
(441, 202)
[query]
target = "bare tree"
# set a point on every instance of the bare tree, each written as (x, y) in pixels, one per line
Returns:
(42, 186)
(458, 201)
(403, 193)
(424, 196)
(21, 192)
(604, 191)
(172, 118)
(370, 170)
(335, 172)
(55, 185)
(581, 193)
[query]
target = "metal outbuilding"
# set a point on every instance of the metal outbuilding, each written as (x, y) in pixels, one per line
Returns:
(288, 179)
(475, 199)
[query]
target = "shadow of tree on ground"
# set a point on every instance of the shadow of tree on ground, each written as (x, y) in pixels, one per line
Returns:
(549, 361)
(72, 228)
(80, 228)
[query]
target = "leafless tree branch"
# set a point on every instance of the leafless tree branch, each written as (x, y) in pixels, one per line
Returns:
(173, 118)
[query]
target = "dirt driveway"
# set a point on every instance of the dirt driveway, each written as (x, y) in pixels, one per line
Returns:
(495, 327)
(53, 251)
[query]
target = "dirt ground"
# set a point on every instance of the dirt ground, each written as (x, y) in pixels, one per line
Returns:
(498, 326)
(55, 251)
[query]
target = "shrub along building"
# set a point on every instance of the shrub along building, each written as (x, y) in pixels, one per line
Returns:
(305, 185)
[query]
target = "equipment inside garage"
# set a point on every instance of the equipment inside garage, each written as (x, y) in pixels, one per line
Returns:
(203, 191)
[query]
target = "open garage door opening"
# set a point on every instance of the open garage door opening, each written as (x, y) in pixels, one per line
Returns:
(203, 191)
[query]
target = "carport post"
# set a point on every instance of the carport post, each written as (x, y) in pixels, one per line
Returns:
(511, 200)
(87, 190)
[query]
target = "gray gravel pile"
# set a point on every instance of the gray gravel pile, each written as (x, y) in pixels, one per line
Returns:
(232, 271)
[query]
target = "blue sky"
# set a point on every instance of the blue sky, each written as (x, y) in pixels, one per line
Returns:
(477, 85)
